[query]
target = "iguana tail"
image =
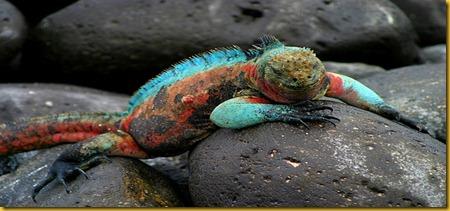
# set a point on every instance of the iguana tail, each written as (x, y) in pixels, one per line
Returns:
(46, 131)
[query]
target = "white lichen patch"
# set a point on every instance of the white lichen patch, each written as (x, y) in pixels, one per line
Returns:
(422, 174)
(348, 156)
(418, 169)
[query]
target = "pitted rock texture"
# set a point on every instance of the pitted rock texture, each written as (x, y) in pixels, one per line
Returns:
(353, 70)
(127, 42)
(122, 183)
(365, 161)
(428, 17)
(418, 91)
(12, 33)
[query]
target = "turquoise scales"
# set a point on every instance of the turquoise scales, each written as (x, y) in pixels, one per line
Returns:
(198, 63)
(189, 67)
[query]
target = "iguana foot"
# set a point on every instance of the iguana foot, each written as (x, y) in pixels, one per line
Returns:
(299, 118)
(302, 114)
(308, 106)
(391, 113)
(61, 169)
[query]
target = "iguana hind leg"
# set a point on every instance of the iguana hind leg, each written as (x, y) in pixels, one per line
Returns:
(84, 155)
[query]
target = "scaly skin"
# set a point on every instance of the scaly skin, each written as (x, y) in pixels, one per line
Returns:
(229, 88)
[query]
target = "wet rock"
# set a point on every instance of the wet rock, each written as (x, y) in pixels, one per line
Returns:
(353, 70)
(434, 54)
(127, 42)
(34, 11)
(12, 33)
(418, 91)
(121, 183)
(365, 161)
(428, 17)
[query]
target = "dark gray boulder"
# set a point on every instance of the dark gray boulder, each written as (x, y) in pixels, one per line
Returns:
(121, 183)
(12, 33)
(428, 17)
(365, 161)
(418, 91)
(354, 70)
(434, 54)
(127, 42)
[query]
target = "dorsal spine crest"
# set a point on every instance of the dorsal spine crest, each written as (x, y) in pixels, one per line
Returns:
(198, 63)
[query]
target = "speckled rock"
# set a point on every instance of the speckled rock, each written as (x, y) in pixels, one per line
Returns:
(428, 18)
(418, 91)
(12, 32)
(434, 54)
(354, 70)
(121, 183)
(127, 42)
(365, 161)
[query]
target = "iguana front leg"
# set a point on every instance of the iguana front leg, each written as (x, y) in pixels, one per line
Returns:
(84, 155)
(245, 111)
(354, 93)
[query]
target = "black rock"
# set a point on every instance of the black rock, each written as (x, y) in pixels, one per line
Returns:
(34, 11)
(418, 91)
(365, 161)
(121, 183)
(127, 42)
(428, 17)
(12, 33)
(353, 70)
(434, 54)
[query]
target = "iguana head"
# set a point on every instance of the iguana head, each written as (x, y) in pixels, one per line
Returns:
(289, 74)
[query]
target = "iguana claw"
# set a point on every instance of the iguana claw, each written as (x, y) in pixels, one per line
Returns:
(60, 170)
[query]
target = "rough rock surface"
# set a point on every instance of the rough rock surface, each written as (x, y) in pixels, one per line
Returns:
(121, 183)
(12, 32)
(434, 54)
(354, 70)
(366, 161)
(428, 17)
(418, 91)
(126, 42)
